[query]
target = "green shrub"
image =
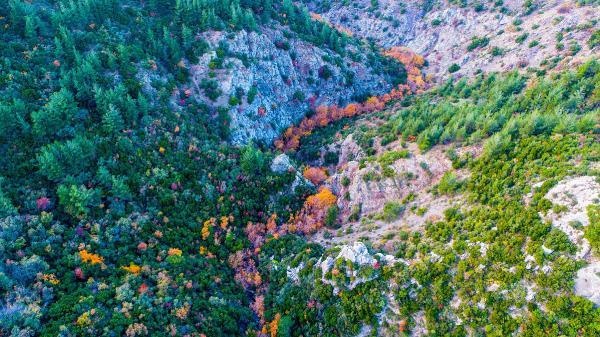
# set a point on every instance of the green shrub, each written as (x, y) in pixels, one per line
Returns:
(521, 38)
(592, 231)
(390, 157)
(478, 42)
(449, 184)
(497, 51)
(331, 217)
(594, 40)
(453, 68)
(252, 94)
(392, 210)
(211, 89)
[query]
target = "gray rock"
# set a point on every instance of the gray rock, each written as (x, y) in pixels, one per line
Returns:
(281, 163)
(286, 79)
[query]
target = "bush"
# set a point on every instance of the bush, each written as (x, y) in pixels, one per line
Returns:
(392, 210)
(299, 95)
(331, 217)
(325, 72)
(592, 231)
(478, 42)
(453, 68)
(252, 94)
(449, 184)
(594, 40)
(521, 38)
(211, 89)
(390, 157)
(497, 51)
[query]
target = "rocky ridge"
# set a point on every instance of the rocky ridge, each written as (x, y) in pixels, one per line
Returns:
(506, 37)
(289, 76)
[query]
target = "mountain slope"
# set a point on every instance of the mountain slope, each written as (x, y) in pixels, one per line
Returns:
(474, 35)
(142, 194)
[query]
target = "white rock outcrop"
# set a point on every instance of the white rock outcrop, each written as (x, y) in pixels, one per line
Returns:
(576, 194)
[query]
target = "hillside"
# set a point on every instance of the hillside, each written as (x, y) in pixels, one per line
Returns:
(475, 35)
(205, 168)
(486, 170)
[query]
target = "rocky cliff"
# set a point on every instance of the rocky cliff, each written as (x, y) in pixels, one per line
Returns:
(476, 37)
(270, 79)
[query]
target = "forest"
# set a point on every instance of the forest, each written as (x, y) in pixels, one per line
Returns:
(126, 210)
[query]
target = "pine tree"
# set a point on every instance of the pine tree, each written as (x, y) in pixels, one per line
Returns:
(62, 159)
(31, 25)
(112, 121)
(187, 36)
(12, 119)
(58, 114)
(288, 10)
(6, 206)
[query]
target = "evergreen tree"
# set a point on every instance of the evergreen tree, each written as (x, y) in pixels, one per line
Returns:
(77, 200)
(6, 206)
(112, 121)
(31, 26)
(73, 158)
(59, 113)
(12, 119)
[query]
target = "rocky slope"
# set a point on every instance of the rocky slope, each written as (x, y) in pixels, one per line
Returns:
(271, 79)
(476, 37)
(368, 187)
(576, 195)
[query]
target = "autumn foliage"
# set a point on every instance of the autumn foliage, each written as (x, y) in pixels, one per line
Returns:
(246, 272)
(328, 114)
(132, 268)
(313, 212)
(90, 258)
(413, 63)
(315, 175)
(273, 326)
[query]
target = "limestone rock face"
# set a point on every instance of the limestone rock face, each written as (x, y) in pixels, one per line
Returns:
(577, 194)
(587, 282)
(355, 265)
(443, 32)
(281, 163)
(357, 253)
(288, 76)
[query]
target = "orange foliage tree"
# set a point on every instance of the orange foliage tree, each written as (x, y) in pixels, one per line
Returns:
(91, 258)
(245, 269)
(313, 212)
(413, 63)
(132, 268)
(274, 325)
(315, 175)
